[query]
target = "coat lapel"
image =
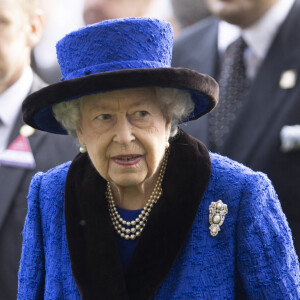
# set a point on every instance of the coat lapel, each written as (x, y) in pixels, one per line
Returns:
(94, 258)
(266, 99)
(16, 174)
(7, 176)
(195, 54)
(91, 239)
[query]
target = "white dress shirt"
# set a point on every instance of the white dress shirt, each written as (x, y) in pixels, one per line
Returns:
(258, 37)
(10, 105)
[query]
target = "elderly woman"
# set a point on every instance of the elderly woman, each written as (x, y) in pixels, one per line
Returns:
(145, 211)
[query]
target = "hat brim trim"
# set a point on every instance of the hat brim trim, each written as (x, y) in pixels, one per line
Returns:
(37, 107)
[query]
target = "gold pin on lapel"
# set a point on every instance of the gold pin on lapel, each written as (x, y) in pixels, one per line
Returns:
(217, 212)
(26, 131)
(288, 79)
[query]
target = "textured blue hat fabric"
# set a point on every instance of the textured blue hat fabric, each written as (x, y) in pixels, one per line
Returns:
(112, 55)
(132, 43)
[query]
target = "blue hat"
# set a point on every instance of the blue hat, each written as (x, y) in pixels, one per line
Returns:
(112, 55)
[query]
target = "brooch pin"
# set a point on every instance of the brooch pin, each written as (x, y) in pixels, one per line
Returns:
(217, 212)
(290, 138)
(288, 79)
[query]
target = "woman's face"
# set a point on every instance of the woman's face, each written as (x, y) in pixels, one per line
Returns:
(243, 13)
(125, 133)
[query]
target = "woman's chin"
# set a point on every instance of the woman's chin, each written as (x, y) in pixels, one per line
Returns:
(127, 181)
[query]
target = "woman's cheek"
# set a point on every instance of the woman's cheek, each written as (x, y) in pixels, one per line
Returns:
(99, 161)
(152, 162)
(103, 169)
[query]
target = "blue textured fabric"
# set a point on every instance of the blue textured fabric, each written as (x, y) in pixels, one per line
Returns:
(126, 247)
(131, 43)
(254, 244)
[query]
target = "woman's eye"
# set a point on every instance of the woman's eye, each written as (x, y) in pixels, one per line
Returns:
(141, 114)
(104, 117)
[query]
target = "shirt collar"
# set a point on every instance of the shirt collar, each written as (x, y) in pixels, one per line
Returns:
(11, 99)
(261, 34)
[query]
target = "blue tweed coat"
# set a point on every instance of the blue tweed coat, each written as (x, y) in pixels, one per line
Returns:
(69, 249)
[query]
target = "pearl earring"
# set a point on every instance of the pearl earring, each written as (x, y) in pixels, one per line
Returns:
(82, 149)
(167, 145)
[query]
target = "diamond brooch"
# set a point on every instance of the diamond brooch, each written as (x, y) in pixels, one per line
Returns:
(217, 212)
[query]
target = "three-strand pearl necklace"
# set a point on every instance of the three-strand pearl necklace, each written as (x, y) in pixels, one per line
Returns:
(133, 229)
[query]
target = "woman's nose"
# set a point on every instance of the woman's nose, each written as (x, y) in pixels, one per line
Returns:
(123, 131)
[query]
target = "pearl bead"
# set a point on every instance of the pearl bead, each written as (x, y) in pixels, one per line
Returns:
(214, 230)
(216, 219)
(219, 205)
(126, 237)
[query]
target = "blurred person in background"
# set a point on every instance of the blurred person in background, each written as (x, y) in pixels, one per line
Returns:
(56, 24)
(23, 151)
(99, 10)
(188, 12)
(252, 48)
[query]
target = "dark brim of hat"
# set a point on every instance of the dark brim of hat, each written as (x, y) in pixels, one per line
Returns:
(37, 107)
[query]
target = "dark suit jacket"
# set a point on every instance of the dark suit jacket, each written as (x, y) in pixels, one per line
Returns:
(255, 136)
(49, 150)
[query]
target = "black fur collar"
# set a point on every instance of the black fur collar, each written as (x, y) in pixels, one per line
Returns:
(94, 256)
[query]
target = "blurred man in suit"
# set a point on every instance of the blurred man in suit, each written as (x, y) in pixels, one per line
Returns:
(249, 127)
(20, 30)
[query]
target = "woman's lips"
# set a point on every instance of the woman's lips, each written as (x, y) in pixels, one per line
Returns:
(127, 160)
